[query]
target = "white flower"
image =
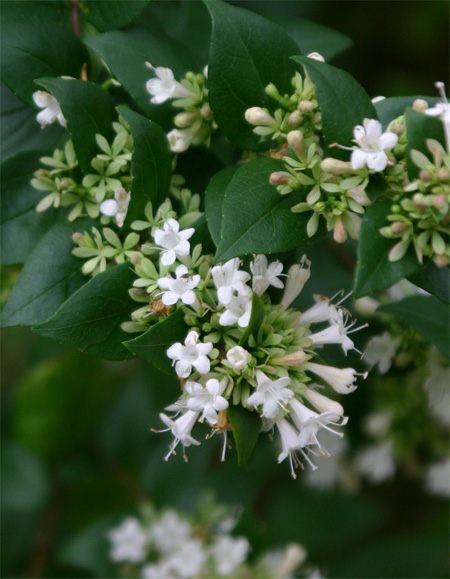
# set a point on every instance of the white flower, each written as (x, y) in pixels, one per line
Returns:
(192, 354)
(438, 478)
(442, 110)
(271, 394)
(376, 462)
(170, 532)
(52, 110)
(341, 379)
(181, 430)
(129, 542)
(372, 143)
(332, 335)
(297, 277)
(258, 116)
(165, 87)
(179, 288)
(180, 139)
(189, 560)
(158, 570)
(207, 399)
(290, 443)
(331, 470)
(238, 358)
(238, 310)
(321, 311)
(323, 403)
(309, 423)
(116, 207)
(228, 278)
(438, 391)
(172, 241)
(264, 274)
(380, 351)
(228, 553)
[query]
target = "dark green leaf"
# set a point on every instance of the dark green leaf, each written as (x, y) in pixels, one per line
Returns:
(214, 198)
(376, 187)
(21, 226)
(374, 271)
(51, 274)
(428, 315)
(153, 345)
(37, 41)
(112, 15)
(246, 426)
(434, 280)
(343, 100)
(256, 319)
(256, 218)
(247, 53)
(420, 127)
(202, 235)
(90, 319)
(313, 37)
(390, 108)
(151, 162)
(88, 110)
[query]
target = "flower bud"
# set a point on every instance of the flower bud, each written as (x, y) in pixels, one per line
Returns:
(258, 116)
(443, 175)
(323, 403)
(206, 112)
(317, 118)
(424, 175)
(420, 105)
(272, 91)
(335, 166)
(441, 260)
(306, 106)
(294, 120)
(135, 259)
(316, 56)
(439, 201)
(297, 144)
(397, 129)
(278, 178)
(184, 120)
(238, 358)
(294, 359)
(77, 236)
(377, 99)
(398, 227)
(339, 232)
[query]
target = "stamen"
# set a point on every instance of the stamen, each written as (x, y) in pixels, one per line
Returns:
(441, 89)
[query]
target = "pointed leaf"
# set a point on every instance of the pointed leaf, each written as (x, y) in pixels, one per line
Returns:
(434, 280)
(390, 108)
(246, 426)
(256, 319)
(113, 15)
(213, 201)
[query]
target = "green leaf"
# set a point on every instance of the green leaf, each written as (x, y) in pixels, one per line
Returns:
(343, 101)
(37, 41)
(88, 110)
(213, 201)
(390, 108)
(434, 280)
(256, 218)
(202, 235)
(247, 53)
(21, 226)
(420, 127)
(90, 319)
(374, 271)
(256, 319)
(112, 15)
(151, 163)
(313, 37)
(428, 315)
(246, 426)
(152, 346)
(51, 274)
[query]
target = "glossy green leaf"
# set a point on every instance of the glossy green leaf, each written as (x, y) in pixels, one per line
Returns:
(256, 319)
(214, 198)
(90, 319)
(151, 164)
(202, 235)
(434, 280)
(428, 315)
(152, 346)
(343, 101)
(390, 108)
(112, 15)
(374, 271)
(247, 53)
(21, 226)
(256, 218)
(88, 110)
(37, 41)
(419, 128)
(246, 426)
(51, 274)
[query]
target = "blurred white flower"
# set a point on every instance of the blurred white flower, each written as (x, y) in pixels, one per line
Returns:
(376, 462)
(180, 139)
(170, 532)
(116, 207)
(129, 542)
(437, 478)
(228, 553)
(380, 351)
(52, 111)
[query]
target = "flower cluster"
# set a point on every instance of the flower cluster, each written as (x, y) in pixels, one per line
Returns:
(167, 544)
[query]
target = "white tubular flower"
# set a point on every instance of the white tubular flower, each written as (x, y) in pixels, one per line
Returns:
(189, 560)
(376, 462)
(228, 278)
(297, 276)
(271, 394)
(380, 351)
(340, 379)
(129, 542)
(334, 334)
(116, 207)
(181, 430)
(372, 143)
(192, 354)
(290, 443)
(321, 311)
(165, 87)
(207, 399)
(324, 404)
(180, 140)
(172, 241)
(228, 553)
(170, 532)
(180, 288)
(437, 478)
(238, 358)
(52, 111)
(238, 311)
(265, 275)
(309, 423)
(257, 116)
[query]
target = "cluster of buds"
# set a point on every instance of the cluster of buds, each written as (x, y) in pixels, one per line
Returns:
(195, 123)
(102, 192)
(167, 544)
(420, 214)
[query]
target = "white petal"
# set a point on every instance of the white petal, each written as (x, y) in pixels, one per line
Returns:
(377, 161)
(358, 159)
(388, 140)
(109, 207)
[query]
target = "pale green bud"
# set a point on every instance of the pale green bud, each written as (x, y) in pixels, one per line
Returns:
(420, 105)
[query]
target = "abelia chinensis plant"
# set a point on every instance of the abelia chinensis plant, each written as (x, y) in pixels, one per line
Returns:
(148, 220)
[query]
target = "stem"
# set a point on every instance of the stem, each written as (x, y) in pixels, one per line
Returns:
(75, 16)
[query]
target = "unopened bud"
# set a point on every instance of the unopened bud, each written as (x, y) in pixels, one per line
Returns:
(238, 358)
(77, 236)
(443, 175)
(306, 106)
(420, 105)
(398, 227)
(258, 116)
(419, 201)
(339, 232)
(135, 259)
(317, 118)
(278, 178)
(294, 359)
(295, 118)
(324, 404)
(441, 260)
(297, 144)
(335, 166)
(41, 173)
(206, 112)
(272, 91)
(424, 175)
(316, 56)
(184, 120)
(439, 201)
(397, 129)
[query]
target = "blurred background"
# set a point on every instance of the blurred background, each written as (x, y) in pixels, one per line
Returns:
(78, 453)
